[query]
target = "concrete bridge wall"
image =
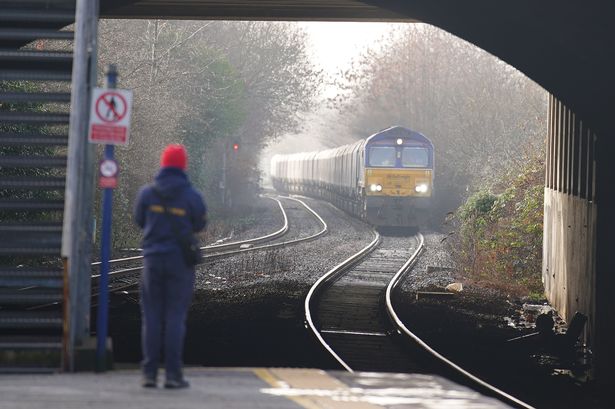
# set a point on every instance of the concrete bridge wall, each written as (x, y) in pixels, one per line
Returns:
(566, 48)
(576, 271)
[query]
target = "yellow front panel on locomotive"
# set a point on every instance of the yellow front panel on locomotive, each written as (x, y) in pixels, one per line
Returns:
(398, 182)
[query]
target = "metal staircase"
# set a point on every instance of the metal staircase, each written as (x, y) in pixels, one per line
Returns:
(35, 75)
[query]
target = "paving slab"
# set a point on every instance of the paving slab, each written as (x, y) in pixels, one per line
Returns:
(238, 388)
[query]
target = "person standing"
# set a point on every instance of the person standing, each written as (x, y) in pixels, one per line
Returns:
(168, 211)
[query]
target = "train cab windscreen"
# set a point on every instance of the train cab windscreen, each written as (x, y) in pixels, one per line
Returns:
(382, 156)
(415, 157)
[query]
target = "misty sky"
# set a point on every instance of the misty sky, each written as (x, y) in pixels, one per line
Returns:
(333, 47)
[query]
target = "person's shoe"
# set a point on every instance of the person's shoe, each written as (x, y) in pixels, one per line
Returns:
(148, 382)
(176, 384)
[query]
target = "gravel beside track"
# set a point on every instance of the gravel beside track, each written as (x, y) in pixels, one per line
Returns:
(263, 218)
(302, 264)
(434, 268)
(248, 308)
(471, 328)
(243, 303)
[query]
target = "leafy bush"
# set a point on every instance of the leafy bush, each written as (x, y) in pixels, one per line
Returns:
(500, 235)
(479, 204)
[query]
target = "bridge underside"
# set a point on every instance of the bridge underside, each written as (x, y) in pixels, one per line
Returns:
(564, 46)
(318, 10)
(561, 45)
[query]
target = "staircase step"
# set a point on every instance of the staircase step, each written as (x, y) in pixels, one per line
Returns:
(27, 205)
(25, 15)
(30, 243)
(33, 139)
(26, 277)
(42, 227)
(34, 75)
(23, 342)
(26, 354)
(17, 97)
(14, 117)
(40, 3)
(24, 289)
(27, 370)
(41, 57)
(33, 161)
(24, 250)
(34, 34)
(32, 296)
(17, 320)
(30, 239)
(30, 182)
(45, 61)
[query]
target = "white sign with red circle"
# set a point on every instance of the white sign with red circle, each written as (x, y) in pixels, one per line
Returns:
(108, 171)
(110, 116)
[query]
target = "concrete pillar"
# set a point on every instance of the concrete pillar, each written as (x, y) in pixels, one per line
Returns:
(77, 229)
(604, 341)
(579, 226)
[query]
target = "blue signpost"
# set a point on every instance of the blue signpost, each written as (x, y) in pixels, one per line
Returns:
(105, 250)
(109, 125)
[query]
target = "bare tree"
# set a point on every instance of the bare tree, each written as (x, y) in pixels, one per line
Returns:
(205, 84)
(480, 113)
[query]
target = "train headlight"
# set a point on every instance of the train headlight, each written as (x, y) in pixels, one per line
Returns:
(421, 188)
(400, 141)
(375, 188)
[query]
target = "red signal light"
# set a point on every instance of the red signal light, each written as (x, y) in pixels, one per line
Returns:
(235, 147)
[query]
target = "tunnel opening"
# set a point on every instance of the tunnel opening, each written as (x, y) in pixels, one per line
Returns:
(465, 102)
(576, 159)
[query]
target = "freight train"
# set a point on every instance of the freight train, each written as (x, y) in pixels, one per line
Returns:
(386, 179)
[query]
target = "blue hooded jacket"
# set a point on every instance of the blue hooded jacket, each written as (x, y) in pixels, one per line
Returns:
(186, 208)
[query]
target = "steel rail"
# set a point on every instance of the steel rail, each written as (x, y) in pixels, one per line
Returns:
(208, 257)
(325, 229)
(402, 329)
(335, 271)
(271, 236)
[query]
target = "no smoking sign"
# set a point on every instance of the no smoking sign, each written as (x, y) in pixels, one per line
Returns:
(110, 116)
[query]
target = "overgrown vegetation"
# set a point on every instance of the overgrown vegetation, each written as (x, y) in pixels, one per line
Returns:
(206, 84)
(499, 240)
(476, 109)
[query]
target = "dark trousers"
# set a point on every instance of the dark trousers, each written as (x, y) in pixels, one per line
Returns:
(167, 285)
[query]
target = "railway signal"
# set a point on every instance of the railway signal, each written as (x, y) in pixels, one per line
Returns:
(235, 147)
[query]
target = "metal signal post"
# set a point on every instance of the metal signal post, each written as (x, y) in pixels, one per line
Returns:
(105, 248)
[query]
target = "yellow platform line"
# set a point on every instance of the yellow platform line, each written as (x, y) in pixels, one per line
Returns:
(311, 388)
(268, 377)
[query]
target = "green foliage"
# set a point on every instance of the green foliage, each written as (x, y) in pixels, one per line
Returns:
(500, 236)
(476, 110)
(213, 117)
(478, 205)
(205, 84)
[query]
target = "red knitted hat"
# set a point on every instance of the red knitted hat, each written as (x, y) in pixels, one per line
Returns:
(174, 156)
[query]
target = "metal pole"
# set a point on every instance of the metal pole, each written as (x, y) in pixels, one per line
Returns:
(223, 187)
(105, 251)
(75, 238)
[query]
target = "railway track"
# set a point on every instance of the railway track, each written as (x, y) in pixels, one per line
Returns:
(217, 251)
(225, 248)
(351, 312)
(121, 280)
(213, 252)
